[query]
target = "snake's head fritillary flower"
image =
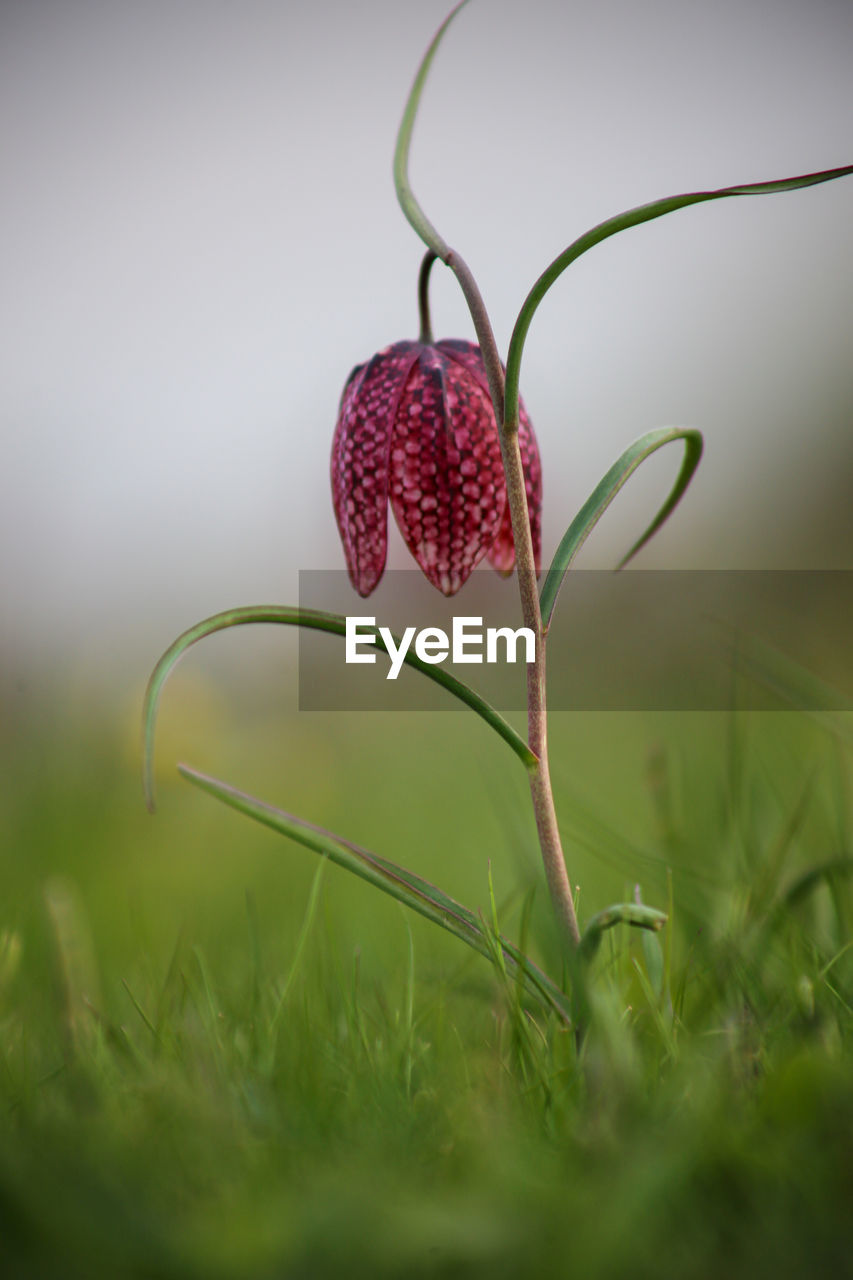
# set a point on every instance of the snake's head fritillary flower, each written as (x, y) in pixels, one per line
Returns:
(416, 427)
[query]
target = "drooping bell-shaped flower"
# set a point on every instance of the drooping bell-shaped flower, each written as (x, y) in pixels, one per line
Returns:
(416, 427)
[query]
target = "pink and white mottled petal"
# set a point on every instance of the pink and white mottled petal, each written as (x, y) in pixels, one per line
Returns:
(469, 355)
(502, 552)
(359, 467)
(532, 465)
(446, 476)
(416, 426)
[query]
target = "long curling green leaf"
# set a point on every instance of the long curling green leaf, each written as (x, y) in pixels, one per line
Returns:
(415, 215)
(622, 221)
(604, 493)
(315, 620)
(417, 894)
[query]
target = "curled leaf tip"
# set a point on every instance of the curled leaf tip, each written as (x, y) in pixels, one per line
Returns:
(602, 496)
(149, 715)
(635, 914)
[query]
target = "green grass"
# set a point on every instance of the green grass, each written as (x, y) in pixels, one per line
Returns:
(215, 1063)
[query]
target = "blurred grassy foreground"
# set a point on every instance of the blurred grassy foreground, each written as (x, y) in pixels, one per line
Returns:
(213, 1064)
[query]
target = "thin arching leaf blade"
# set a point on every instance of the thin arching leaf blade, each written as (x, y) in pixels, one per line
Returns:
(414, 214)
(404, 886)
(316, 620)
(604, 493)
(622, 222)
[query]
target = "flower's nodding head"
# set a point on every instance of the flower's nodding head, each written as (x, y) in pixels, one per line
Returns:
(416, 426)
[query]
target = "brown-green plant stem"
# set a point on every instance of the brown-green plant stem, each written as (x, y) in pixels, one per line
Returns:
(537, 716)
(537, 721)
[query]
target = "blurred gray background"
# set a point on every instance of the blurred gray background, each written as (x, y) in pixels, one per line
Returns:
(200, 239)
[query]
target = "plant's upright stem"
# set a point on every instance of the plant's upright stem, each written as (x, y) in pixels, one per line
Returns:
(537, 718)
(540, 778)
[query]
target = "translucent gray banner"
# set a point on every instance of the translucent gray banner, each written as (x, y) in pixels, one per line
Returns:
(671, 640)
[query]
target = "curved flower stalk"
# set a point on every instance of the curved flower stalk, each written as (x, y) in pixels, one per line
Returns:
(416, 427)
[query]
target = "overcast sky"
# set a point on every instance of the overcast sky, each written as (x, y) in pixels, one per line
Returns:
(200, 239)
